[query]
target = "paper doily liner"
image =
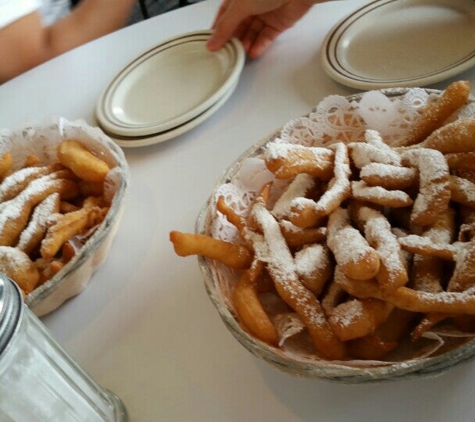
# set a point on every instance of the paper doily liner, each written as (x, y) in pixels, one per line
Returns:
(41, 139)
(336, 118)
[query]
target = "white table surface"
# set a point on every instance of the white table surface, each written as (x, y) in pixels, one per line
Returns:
(145, 328)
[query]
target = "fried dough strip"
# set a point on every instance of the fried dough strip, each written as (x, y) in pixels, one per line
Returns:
(288, 160)
(386, 337)
(81, 161)
(436, 113)
(314, 267)
(16, 182)
(461, 161)
(232, 255)
(427, 271)
(371, 347)
(300, 187)
(6, 162)
(373, 150)
(380, 195)
(462, 191)
(428, 322)
(333, 296)
(413, 300)
(388, 176)
(249, 308)
(414, 243)
(358, 317)
(16, 212)
(281, 266)
(18, 266)
(295, 236)
(392, 271)
(69, 225)
(48, 268)
(31, 160)
(351, 250)
(434, 185)
(463, 277)
(31, 237)
(445, 302)
(454, 137)
(306, 212)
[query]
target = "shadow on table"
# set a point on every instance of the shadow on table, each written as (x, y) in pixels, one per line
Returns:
(311, 400)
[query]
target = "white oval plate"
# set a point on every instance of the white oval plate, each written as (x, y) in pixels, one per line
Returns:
(393, 43)
(142, 141)
(169, 85)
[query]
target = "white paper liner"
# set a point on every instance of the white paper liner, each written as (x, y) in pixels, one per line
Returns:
(41, 139)
(336, 118)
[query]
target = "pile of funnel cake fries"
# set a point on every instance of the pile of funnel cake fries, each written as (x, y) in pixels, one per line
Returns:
(47, 211)
(369, 244)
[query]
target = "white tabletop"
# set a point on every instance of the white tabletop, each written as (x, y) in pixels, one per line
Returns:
(145, 328)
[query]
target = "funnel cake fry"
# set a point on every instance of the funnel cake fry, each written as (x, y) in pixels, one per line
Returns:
(351, 250)
(233, 255)
(281, 267)
(82, 162)
(68, 225)
(435, 114)
(249, 308)
(18, 266)
(288, 160)
(434, 185)
(16, 213)
(306, 212)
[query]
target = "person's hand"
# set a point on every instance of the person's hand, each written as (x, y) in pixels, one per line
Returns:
(257, 23)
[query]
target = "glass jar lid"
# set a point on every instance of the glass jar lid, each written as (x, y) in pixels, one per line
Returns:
(11, 310)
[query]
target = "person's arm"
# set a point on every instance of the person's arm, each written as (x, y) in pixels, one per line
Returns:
(26, 43)
(257, 23)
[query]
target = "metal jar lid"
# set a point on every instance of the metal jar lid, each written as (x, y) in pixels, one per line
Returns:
(11, 310)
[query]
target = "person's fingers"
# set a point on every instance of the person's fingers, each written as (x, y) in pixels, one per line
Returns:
(222, 8)
(241, 30)
(253, 29)
(224, 28)
(262, 42)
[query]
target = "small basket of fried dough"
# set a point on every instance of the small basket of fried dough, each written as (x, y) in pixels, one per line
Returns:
(342, 246)
(62, 189)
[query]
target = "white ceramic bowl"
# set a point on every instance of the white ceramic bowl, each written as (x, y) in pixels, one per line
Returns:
(219, 280)
(41, 139)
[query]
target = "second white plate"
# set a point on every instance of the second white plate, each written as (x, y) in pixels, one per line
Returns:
(142, 141)
(394, 43)
(169, 85)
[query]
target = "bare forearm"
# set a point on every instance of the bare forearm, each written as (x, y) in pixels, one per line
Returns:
(91, 19)
(27, 43)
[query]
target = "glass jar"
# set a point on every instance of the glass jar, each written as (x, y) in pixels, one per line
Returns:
(38, 380)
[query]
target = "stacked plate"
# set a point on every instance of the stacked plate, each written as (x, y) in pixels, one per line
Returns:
(392, 43)
(169, 90)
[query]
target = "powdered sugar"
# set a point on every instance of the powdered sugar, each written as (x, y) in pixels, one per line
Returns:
(339, 186)
(281, 264)
(362, 191)
(39, 220)
(297, 189)
(310, 258)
